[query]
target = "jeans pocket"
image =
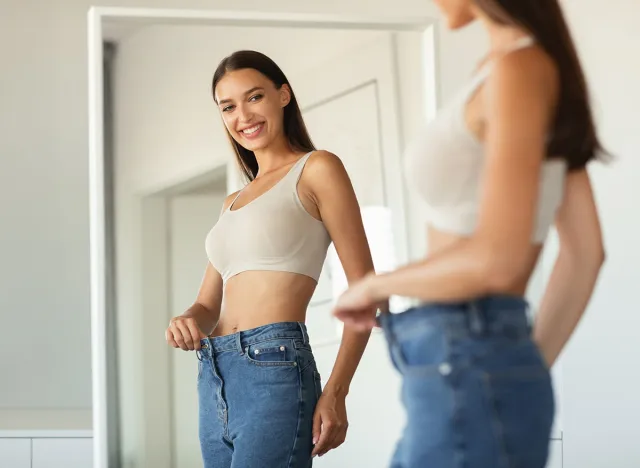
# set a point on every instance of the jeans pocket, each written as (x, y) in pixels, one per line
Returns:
(276, 353)
(306, 359)
(420, 350)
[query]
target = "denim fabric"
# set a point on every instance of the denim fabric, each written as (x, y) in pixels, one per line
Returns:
(257, 393)
(476, 390)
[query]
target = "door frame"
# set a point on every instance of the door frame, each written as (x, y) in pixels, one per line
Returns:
(96, 17)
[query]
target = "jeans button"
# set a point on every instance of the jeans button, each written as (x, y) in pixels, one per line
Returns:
(445, 368)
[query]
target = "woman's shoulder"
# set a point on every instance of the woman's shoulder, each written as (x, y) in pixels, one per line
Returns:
(526, 68)
(323, 161)
(324, 171)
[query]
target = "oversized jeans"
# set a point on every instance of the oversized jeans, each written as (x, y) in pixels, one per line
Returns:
(258, 390)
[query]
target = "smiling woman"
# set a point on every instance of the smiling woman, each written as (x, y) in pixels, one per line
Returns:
(249, 82)
(260, 395)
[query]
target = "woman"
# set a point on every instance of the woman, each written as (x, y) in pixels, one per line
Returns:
(495, 169)
(261, 402)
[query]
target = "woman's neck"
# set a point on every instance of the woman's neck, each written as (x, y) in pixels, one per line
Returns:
(274, 156)
(502, 37)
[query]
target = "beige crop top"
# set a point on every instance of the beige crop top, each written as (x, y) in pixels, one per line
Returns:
(444, 166)
(274, 232)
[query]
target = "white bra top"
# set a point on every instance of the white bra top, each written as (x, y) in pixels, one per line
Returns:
(444, 166)
(273, 232)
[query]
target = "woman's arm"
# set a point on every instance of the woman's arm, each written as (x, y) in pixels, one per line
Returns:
(576, 269)
(330, 187)
(519, 99)
(339, 210)
(198, 321)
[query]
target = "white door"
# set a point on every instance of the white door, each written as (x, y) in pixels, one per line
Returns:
(191, 217)
(350, 108)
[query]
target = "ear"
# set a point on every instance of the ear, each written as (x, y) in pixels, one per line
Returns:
(285, 95)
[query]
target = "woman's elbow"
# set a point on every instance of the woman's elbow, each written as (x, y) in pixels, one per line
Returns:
(589, 256)
(596, 258)
(602, 255)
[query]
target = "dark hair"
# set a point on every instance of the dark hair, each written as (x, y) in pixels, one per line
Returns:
(573, 136)
(294, 127)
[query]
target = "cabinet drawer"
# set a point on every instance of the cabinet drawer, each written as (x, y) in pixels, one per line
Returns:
(62, 453)
(15, 453)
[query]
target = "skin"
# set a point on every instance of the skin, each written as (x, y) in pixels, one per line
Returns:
(511, 114)
(247, 99)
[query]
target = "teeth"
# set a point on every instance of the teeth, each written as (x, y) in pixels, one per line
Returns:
(251, 130)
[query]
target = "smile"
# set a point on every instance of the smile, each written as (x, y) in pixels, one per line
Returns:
(252, 132)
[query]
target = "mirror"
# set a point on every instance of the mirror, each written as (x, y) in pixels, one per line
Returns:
(162, 167)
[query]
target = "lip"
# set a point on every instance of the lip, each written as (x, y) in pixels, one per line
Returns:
(254, 135)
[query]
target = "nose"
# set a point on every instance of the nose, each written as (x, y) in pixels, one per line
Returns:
(245, 114)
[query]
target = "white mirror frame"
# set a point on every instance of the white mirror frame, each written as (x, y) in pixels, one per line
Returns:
(96, 17)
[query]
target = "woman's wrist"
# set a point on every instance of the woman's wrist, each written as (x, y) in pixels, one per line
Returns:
(374, 287)
(336, 389)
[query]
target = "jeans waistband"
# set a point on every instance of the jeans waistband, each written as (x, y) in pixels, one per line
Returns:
(490, 314)
(239, 341)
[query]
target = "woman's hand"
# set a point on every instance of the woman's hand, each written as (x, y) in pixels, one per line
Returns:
(183, 332)
(329, 423)
(357, 305)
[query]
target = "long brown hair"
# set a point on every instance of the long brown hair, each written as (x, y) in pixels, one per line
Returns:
(573, 136)
(294, 128)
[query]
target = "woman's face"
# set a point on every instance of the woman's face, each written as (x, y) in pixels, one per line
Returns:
(252, 107)
(459, 13)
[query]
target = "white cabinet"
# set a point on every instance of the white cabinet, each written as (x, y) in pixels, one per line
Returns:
(15, 453)
(46, 449)
(555, 455)
(62, 453)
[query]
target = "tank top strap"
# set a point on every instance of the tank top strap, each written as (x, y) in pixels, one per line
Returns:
(296, 170)
(233, 201)
(521, 43)
(484, 70)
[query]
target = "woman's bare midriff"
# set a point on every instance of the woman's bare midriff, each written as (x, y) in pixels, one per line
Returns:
(256, 298)
(438, 241)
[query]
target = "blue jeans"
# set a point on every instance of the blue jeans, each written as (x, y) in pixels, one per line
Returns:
(476, 390)
(257, 392)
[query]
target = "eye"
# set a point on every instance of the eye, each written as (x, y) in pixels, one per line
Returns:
(227, 109)
(255, 97)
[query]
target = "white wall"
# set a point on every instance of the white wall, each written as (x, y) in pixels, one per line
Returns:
(43, 123)
(601, 378)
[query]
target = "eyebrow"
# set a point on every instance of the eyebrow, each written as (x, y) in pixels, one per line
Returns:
(257, 88)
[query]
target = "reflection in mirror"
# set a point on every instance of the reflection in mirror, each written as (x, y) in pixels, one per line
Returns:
(361, 93)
